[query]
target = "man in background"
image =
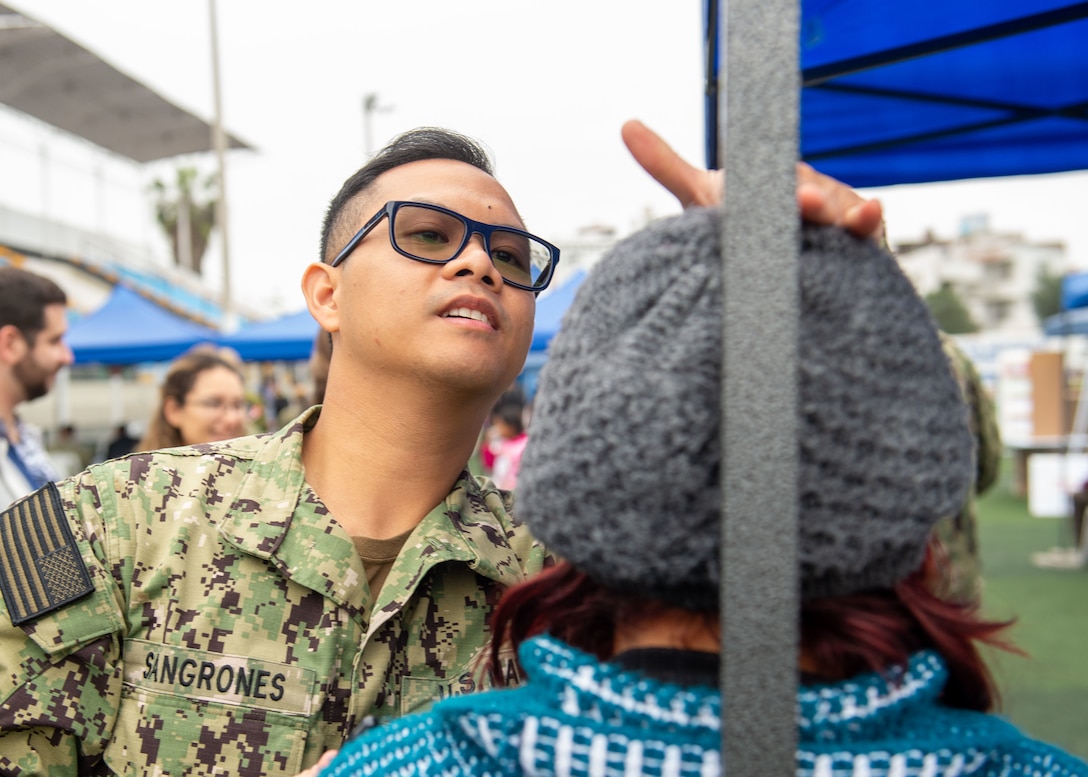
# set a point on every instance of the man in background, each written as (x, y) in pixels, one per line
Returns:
(122, 442)
(32, 350)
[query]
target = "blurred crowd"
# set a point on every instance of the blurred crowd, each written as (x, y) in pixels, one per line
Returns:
(202, 397)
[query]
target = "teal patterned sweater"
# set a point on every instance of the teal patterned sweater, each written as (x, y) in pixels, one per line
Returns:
(576, 716)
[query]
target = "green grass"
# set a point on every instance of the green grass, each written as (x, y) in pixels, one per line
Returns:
(1046, 694)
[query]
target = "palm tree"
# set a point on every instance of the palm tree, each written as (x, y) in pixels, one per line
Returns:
(186, 213)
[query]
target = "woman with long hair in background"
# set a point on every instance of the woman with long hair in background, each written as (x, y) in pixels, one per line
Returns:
(202, 399)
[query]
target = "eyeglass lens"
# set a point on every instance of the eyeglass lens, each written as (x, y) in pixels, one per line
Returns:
(218, 405)
(436, 236)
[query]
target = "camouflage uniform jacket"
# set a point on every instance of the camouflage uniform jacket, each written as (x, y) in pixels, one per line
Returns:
(198, 612)
(959, 533)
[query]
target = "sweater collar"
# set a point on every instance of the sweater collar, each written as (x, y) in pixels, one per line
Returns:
(590, 689)
(822, 709)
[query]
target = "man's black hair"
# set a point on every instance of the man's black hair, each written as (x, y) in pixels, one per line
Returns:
(23, 299)
(412, 146)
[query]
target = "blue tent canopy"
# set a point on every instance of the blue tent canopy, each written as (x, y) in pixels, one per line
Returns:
(1070, 322)
(550, 309)
(288, 338)
(1075, 291)
(130, 329)
(936, 91)
(892, 93)
(549, 315)
(1073, 320)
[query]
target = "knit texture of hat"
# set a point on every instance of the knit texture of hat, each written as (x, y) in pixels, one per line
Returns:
(621, 473)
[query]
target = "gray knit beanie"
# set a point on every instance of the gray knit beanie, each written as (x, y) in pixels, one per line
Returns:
(621, 473)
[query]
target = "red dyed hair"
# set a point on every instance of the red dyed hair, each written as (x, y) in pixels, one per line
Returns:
(872, 630)
(844, 635)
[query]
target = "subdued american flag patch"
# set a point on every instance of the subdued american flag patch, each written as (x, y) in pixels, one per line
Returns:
(40, 565)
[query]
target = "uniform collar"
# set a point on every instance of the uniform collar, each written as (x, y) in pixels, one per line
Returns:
(471, 525)
(257, 516)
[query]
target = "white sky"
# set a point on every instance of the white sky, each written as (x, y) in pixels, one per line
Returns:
(544, 85)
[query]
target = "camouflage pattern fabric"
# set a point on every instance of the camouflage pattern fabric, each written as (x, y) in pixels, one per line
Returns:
(959, 533)
(228, 627)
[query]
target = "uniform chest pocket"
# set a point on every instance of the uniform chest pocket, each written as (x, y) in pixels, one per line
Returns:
(419, 694)
(199, 713)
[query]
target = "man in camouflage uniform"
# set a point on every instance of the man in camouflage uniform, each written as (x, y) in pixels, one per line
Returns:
(200, 611)
(959, 533)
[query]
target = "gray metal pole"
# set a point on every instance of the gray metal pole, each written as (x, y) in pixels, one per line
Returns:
(370, 104)
(758, 105)
(370, 107)
(229, 321)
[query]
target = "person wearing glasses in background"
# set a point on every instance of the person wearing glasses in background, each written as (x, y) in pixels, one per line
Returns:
(242, 607)
(202, 399)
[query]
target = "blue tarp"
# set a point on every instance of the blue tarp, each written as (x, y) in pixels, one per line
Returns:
(1071, 322)
(288, 338)
(897, 92)
(550, 309)
(549, 315)
(1075, 291)
(130, 329)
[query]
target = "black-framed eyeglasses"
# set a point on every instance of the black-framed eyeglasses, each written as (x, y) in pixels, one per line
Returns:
(433, 234)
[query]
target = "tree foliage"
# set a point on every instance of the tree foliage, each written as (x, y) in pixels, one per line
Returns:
(949, 311)
(1047, 297)
(192, 193)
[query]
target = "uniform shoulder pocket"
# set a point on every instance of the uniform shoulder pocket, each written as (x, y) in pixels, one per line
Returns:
(46, 585)
(41, 568)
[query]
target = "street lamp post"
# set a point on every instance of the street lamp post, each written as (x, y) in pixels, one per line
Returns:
(228, 321)
(370, 106)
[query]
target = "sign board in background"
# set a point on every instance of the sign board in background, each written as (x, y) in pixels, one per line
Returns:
(1052, 480)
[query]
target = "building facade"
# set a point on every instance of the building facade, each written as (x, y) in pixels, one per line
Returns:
(994, 274)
